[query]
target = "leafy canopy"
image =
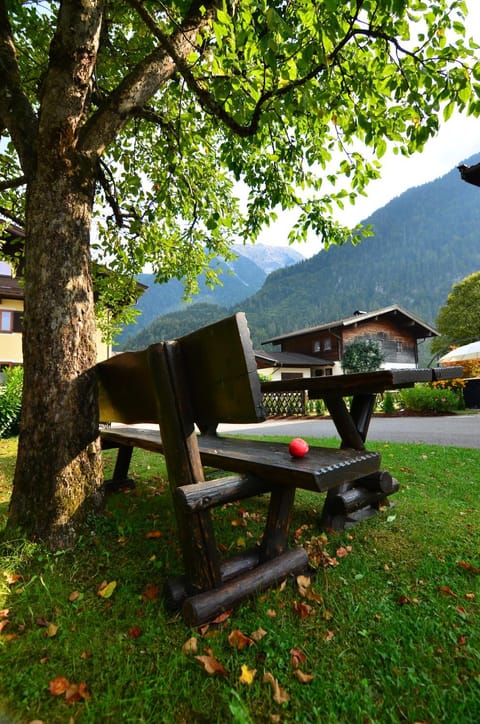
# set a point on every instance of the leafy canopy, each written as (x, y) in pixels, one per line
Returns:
(277, 98)
(458, 320)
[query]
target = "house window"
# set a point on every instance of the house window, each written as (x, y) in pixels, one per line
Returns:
(327, 343)
(318, 373)
(317, 346)
(291, 375)
(328, 372)
(6, 320)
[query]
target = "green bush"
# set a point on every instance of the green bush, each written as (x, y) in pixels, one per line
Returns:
(430, 399)
(388, 403)
(362, 355)
(11, 401)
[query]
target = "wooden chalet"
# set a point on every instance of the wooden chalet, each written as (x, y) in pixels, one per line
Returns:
(317, 351)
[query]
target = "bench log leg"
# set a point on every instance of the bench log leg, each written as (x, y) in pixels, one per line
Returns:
(277, 528)
(120, 477)
(348, 504)
(207, 606)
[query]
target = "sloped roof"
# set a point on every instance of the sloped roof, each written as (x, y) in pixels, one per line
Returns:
(422, 328)
(290, 359)
(10, 288)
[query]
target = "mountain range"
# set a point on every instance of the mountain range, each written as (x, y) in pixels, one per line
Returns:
(238, 279)
(423, 242)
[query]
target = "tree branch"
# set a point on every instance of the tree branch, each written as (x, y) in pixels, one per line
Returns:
(16, 112)
(13, 183)
(143, 81)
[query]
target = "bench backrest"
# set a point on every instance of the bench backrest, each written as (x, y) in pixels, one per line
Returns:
(216, 363)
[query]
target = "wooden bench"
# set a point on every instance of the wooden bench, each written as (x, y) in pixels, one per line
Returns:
(192, 384)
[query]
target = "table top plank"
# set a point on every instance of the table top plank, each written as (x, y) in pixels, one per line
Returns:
(362, 382)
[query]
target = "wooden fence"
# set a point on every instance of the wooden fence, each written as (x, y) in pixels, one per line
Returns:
(285, 404)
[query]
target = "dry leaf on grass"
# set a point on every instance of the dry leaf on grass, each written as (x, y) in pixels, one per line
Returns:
(238, 640)
(247, 676)
(105, 589)
(279, 694)
(212, 665)
(190, 646)
(303, 677)
(258, 634)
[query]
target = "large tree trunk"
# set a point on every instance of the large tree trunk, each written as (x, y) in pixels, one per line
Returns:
(58, 478)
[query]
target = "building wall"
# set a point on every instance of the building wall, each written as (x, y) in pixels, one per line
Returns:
(11, 342)
(325, 345)
(398, 345)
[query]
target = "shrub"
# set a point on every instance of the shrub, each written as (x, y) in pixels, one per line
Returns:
(11, 401)
(388, 403)
(430, 399)
(362, 356)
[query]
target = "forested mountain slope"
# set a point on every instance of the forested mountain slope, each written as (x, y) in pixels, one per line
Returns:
(239, 279)
(424, 241)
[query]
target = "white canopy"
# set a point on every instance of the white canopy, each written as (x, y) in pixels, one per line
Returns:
(467, 351)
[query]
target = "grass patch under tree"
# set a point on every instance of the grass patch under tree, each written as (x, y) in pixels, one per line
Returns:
(388, 631)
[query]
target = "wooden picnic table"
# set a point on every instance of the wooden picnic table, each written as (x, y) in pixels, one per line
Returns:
(207, 378)
(350, 502)
(363, 387)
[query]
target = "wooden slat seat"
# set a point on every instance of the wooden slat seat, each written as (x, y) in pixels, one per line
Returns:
(322, 469)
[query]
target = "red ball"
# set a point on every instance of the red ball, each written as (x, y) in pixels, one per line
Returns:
(298, 447)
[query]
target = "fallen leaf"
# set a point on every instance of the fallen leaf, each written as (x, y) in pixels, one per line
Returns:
(403, 600)
(447, 591)
(12, 577)
(247, 676)
(271, 613)
(303, 583)
(154, 534)
(75, 692)
(297, 657)
(150, 592)
(190, 646)
(258, 634)
(134, 632)
(303, 677)
(342, 552)
(222, 616)
(74, 596)
(58, 686)
(105, 591)
(3, 624)
(238, 640)
(212, 665)
(52, 630)
(302, 609)
(469, 567)
(470, 596)
(328, 636)
(4, 612)
(86, 654)
(279, 694)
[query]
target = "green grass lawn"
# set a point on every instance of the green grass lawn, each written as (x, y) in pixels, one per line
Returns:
(388, 630)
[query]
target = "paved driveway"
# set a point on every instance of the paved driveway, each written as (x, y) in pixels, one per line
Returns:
(456, 430)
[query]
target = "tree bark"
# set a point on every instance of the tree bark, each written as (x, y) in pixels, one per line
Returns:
(58, 477)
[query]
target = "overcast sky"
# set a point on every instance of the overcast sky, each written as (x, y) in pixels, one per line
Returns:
(457, 140)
